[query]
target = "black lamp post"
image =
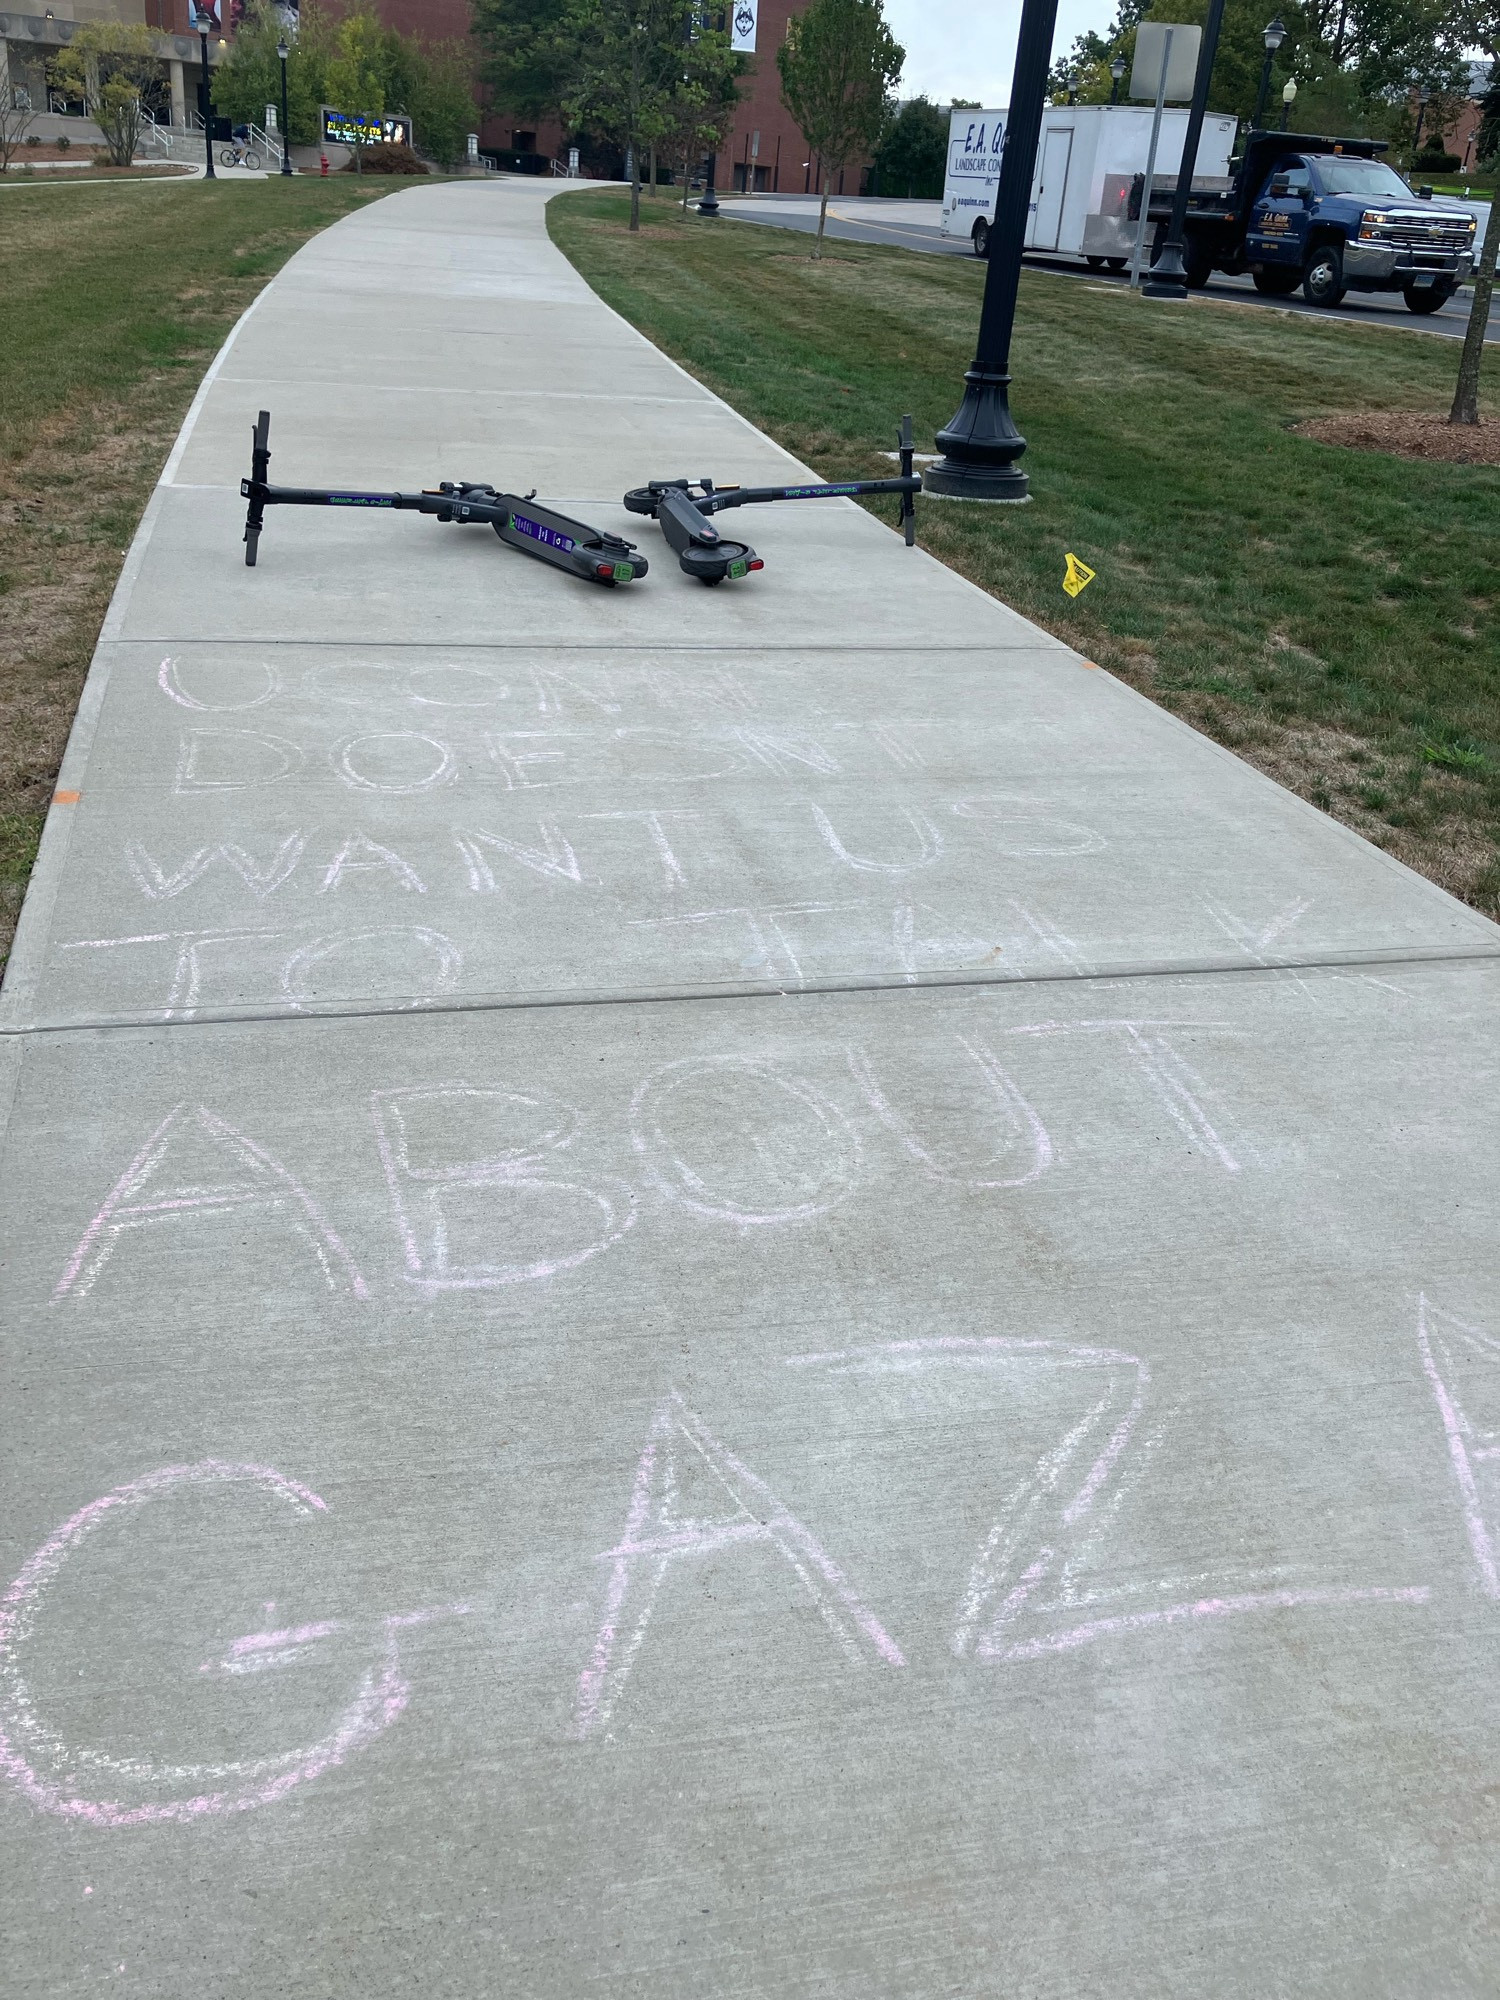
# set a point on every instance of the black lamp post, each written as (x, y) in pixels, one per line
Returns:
(282, 52)
(203, 21)
(1275, 35)
(1116, 72)
(1422, 103)
(1288, 99)
(708, 203)
(1072, 86)
(980, 443)
(1168, 278)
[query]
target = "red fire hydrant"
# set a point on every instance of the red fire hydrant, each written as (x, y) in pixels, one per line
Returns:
(323, 165)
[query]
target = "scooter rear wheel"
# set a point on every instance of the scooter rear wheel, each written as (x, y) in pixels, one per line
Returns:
(727, 559)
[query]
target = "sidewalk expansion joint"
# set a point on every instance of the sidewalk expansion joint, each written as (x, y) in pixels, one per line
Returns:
(876, 983)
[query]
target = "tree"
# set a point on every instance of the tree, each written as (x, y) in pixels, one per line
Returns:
(839, 65)
(632, 56)
(1487, 139)
(250, 78)
(1356, 62)
(1466, 395)
(434, 83)
(532, 53)
(110, 65)
(1479, 24)
(701, 103)
(355, 78)
(912, 157)
(1091, 54)
(16, 115)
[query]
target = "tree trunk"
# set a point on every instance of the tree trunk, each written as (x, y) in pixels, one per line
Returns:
(635, 193)
(822, 216)
(1466, 396)
(651, 183)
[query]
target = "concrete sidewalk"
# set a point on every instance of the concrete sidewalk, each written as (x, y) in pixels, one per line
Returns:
(731, 1293)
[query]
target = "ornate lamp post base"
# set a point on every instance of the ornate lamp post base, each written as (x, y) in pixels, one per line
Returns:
(1168, 279)
(980, 445)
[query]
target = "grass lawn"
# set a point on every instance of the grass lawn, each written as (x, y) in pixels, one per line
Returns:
(113, 300)
(1329, 615)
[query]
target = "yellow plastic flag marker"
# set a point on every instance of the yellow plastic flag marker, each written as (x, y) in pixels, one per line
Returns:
(1079, 576)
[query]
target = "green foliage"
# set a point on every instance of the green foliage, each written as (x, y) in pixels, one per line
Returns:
(646, 76)
(355, 78)
(251, 77)
(434, 83)
(531, 53)
(839, 64)
(1487, 145)
(110, 65)
(912, 157)
(1354, 61)
(379, 69)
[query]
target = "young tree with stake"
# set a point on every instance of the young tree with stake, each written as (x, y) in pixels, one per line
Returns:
(839, 65)
(355, 78)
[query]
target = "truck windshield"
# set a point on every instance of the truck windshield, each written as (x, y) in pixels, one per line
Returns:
(1367, 177)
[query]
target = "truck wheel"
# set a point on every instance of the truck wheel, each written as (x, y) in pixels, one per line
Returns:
(1198, 274)
(1276, 282)
(1094, 263)
(1425, 298)
(981, 238)
(1323, 276)
(1117, 263)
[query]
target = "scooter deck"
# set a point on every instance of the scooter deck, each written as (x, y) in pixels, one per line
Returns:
(682, 509)
(536, 530)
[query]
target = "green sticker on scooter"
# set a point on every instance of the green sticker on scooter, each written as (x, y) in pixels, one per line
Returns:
(738, 568)
(624, 572)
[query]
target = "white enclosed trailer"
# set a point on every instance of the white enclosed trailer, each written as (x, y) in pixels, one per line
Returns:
(1086, 158)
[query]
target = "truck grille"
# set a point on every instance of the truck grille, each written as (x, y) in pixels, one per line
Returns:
(1425, 234)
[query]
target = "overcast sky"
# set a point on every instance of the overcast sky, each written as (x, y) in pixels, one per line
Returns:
(967, 48)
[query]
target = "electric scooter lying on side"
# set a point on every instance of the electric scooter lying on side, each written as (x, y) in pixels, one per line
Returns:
(536, 531)
(682, 507)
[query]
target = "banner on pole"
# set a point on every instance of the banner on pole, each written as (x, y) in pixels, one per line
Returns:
(742, 25)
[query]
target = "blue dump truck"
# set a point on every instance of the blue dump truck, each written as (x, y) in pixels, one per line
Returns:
(1326, 214)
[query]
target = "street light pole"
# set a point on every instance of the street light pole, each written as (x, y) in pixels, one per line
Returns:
(286, 131)
(1288, 99)
(708, 203)
(1116, 71)
(203, 21)
(980, 443)
(1168, 278)
(1275, 35)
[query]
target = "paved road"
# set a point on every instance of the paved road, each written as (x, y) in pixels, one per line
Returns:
(705, 1295)
(914, 226)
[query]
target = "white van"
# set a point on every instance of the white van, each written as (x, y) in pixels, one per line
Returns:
(1087, 157)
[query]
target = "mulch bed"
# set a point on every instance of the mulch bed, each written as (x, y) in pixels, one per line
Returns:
(1408, 434)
